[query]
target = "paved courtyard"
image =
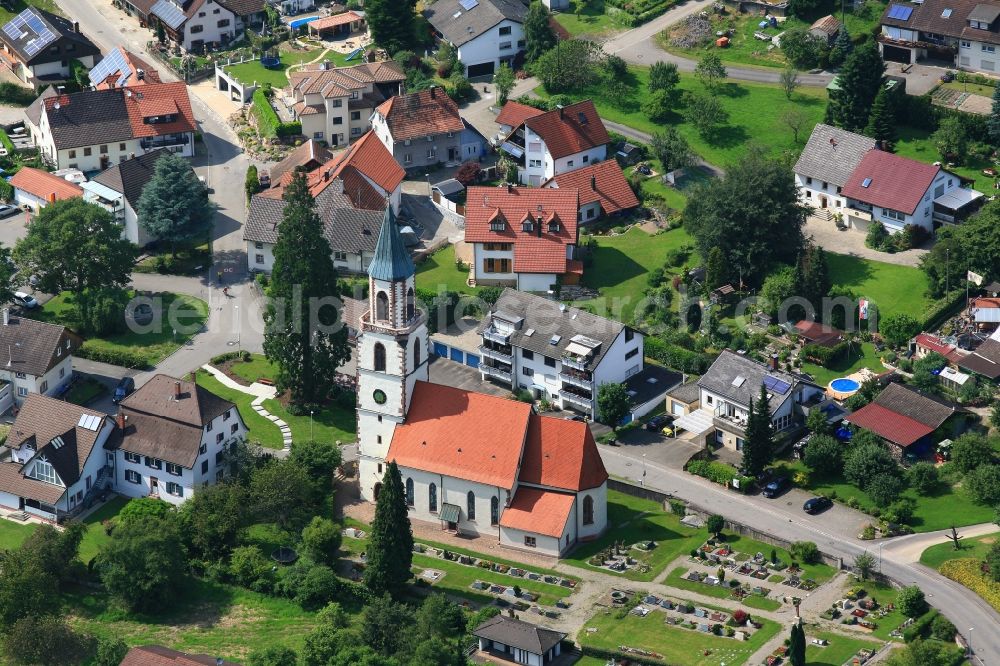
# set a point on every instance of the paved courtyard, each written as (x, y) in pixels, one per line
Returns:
(852, 242)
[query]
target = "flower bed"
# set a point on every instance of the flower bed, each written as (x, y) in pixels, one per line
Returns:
(968, 572)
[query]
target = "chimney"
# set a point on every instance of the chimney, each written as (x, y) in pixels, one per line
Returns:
(433, 94)
(177, 390)
(120, 420)
(140, 74)
(538, 224)
(593, 183)
(773, 361)
(510, 188)
(76, 27)
(561, 114)
(6, 316)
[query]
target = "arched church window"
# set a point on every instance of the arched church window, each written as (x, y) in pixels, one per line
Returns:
(382, 306)
(379, 357)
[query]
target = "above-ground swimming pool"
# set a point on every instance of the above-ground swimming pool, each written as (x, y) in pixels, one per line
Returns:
(844, 385)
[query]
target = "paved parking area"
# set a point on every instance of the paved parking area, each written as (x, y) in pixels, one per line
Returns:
(851, 241)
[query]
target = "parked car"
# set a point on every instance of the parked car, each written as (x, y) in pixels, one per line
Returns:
(123, 390)
(576, 417)
(816, 505)
(26, 301)
(658, 422)
(6, 210)
(776, 487)
(948, 77)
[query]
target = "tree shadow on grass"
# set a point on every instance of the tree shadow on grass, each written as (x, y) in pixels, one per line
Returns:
(616, 268)
(849, 271)
(731, 90)
(727, 136)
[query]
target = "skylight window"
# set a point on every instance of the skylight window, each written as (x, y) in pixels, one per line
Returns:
(866, 182)
(946, 13)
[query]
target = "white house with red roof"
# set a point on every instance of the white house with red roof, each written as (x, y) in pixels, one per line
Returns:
(603, 189)
(420, 129)
(557, 141)
(523, 237)
(470, 462)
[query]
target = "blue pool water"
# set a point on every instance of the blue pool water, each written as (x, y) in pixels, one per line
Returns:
(298, 23)
(844, 385)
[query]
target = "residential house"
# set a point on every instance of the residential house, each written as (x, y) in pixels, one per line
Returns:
(729, 385)
(984, 311)
(121, 69)
(172, 437)
(351, 190)
(829, 158)
(37, 357)
(56, 458)
(522, 237)
(905, 417)
(509, 639)
(513, 114)
(306, 158)
(35, 188)
(337, 26)
(964, 33)
(335, 105)
(33, 112)
(925, 343)
(556, 4)
(118, 189)
(157, 655)
(197, 25)
(95, 129)
(896, 191)
(558, 141)
(602, 187)
(485, 33)
(421, 130)
(984, 360)
(561, 354)
(295, 7)
(39, 47)
(475, 464)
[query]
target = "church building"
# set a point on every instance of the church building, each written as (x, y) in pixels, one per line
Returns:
(474, 463)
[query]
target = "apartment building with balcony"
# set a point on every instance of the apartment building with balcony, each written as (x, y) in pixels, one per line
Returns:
(965, 33)
(558, 353)
(725, 392)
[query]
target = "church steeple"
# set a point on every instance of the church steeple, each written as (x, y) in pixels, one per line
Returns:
(392, 260)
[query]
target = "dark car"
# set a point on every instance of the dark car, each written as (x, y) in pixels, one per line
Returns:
(817, 505)
(658, 423)
(123, 390)
(776, 487)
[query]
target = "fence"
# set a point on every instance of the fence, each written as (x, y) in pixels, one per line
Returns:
(192, 76)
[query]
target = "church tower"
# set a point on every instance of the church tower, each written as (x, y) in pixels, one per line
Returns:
(392, 353)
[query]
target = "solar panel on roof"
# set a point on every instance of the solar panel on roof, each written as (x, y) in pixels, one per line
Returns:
(779, 386)
(468, 4)
(900, 12)
(169, 13)
(110, 64)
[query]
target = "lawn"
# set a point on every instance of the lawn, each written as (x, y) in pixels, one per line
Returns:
(975, 547)
(891, 288)
(676, 579)
(9, 10)
(458, 577)
(258, 367)
(631, 519)
(971, 88)
(84, 391)
(330, 424)
(745, 49)
(621, 267)
(916, 144)
(189, 259)
(209, 618)
(861, 356)
(586, 17)
(95, 537)
(946, 507)
(754, 110)
(438, 271)
(676, 197)
(678, 646)
(248, 72)
(185, 314)
(839, 651)
(261, 430)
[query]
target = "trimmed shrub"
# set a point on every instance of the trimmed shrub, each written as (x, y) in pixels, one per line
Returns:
(268, 123)
(122, 357)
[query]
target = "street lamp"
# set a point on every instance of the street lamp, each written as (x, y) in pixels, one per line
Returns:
(880, 557)
(239, 329)
(971, 651)
(311, 438)
(642, 481)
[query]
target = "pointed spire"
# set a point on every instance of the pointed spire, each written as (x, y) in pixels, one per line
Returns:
(392, 260)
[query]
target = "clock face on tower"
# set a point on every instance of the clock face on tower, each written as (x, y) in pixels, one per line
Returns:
(379, 396)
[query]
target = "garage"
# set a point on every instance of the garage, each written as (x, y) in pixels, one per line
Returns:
(895, 54)
(482, 69)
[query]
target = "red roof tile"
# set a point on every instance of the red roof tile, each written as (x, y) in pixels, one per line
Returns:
(884, 422)
(820, 334)
(538, 511)
(896, 182)
(515, 113)
(333, 21)
(565, 134)
(160, 99)
(368, 156)
(420, 114)
(603, 182)
(533, 252)
(460, 433)
(44, 185)
(554, 457)
(934, 344)
(157, 655)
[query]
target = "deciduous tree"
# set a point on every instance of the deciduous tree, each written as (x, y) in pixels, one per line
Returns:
(864, 564)
(824, 454)
(664, 76)
(390, 550)
(281, 491)
(951, 140)
(45, 641)
(710, 70)
(392, 23)
(321, 540)
(213, 518)
(715, 523)
(143, 564)
(671, 149)
(897, 329)
(301, 335)
(789, 81)
(911, 602)
(796, 119)
(866, 461)
(503, 81)
(705, 112)
(612, 403)
(570, 66)
(274, 655)
(983, 485)
(174, 205)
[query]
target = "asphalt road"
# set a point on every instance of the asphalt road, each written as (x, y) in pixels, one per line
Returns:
(834, 531)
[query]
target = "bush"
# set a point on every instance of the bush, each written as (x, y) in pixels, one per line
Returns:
(806, 552)
(911, 602)
(268, 123)
(678, 508)
(885, 488)
(983, 485)
(713, 471)
(248, 567)
(45, 641)
(110, 652)
(321, 540)
(971, 451)
(16, 95)
(942, 629)
(867, 461)
(923, 477)
(123, 357)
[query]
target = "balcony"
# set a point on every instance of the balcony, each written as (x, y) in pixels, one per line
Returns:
(494, 335)
(581, 379)
(489, 352)
(170, 141)
(859, 214)
(579, 400)
(574, 362)
(495, 372)
(734, 422)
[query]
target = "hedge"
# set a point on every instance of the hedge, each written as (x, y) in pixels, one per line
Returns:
(920, 628)
(968, 572)
(15, 95)
(825, 355)
(230, 356)
(942, 309)
(713, 471)
(677, 357)
(6, 142)
(268, 123)
(122, 357)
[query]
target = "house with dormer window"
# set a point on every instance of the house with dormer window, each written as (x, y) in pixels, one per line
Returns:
(421, 129)
(38, 47)
(172, 437)
(56, 458)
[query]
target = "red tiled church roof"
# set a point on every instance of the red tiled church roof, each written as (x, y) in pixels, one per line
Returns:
(539, 511)
(553, 456)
